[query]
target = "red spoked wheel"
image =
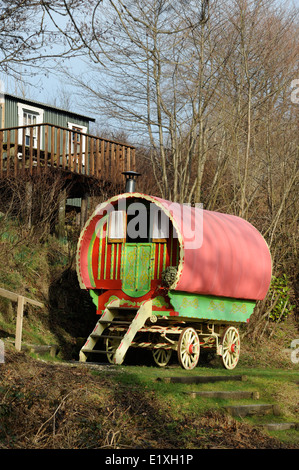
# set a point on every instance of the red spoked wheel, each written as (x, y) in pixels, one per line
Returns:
(230, 347)
(188, 348)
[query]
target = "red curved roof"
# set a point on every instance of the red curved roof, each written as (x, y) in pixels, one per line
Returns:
(233, 259)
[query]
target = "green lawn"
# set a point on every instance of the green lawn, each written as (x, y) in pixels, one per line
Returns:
(275, 386)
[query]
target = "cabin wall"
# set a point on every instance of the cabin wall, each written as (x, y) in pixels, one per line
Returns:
(56, 117)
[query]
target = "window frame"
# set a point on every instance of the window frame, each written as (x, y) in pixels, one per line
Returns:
(121, 236)
(24, 108)
(159, 233)
(79, 128)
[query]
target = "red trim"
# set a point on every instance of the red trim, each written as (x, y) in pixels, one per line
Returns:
(109, 284)
(95, 256)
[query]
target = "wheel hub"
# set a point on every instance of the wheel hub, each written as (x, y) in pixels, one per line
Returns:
(191, 349)
(232, 348)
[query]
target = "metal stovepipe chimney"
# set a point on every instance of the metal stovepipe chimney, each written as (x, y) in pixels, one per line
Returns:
(131, 177)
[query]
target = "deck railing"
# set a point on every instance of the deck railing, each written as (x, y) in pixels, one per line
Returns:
(34, 148)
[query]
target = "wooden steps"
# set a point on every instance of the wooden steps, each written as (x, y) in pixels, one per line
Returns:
(249, 410)
(239, 410)
(280, 426)
(114, 315)
(226, 395)
(202, 379)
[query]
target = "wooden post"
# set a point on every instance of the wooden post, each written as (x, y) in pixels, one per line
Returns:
(1, 154)
(8, 154)
(61, 214)
(16, 160)
(84, 210)
(64, 149)
(19, 327)
(23, 150)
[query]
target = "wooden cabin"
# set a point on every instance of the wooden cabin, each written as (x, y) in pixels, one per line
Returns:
(36, 137)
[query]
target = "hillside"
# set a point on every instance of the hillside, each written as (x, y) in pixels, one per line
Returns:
(57, 403)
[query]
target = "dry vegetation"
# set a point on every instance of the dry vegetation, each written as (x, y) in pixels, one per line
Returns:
(215, 123)
(55, 406)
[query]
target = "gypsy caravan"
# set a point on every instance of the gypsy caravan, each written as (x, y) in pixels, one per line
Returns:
(169, 277)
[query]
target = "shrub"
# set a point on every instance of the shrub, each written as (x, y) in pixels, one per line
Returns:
(280, 291)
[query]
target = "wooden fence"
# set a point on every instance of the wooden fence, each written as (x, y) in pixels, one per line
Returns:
(36, 147)
(21, 300)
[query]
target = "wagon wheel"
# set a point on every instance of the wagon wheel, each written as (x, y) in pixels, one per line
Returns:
(231, 347)
(188, 348)
(112, 345)
(162, 356)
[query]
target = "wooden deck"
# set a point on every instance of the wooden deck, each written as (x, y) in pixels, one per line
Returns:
(32, 149)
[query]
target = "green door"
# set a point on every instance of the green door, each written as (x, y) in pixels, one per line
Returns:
(137, 269)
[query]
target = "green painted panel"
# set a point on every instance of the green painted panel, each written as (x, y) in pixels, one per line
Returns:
(143, 278)
(208, 307)
(129, 273)
(137, 271)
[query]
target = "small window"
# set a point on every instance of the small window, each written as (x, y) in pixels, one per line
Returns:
(117, 227)
(29, 116)
(160, 226)
(28, 119)
(78, 139)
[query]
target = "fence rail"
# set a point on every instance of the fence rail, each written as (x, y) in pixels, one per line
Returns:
(34, 148)
(21, 300)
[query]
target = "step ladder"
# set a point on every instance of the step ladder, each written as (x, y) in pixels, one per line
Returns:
(115, 311)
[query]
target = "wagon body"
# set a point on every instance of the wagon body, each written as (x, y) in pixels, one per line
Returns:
(166, 276)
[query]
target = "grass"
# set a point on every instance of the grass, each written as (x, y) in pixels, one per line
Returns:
(275, 386)
(48, 404)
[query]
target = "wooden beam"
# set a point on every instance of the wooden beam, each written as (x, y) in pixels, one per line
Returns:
(31, 152)
(1, 154)
(9, 295)
(103, 163)
(16, 160)
(19, 327)
(23, 150)
(38, 141)
(91, 164)
(97, 159)
(8, 154)
(14, 297)
(61, 215)
(64, 149)
(46, 145)
(52, 145)
(84, 210)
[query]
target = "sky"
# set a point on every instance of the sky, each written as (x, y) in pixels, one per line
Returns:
(48, 87)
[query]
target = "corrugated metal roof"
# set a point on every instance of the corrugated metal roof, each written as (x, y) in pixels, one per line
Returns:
(229, 259)
(45, 105)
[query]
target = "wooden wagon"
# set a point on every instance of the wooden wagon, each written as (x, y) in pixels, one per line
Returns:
(169, 277)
